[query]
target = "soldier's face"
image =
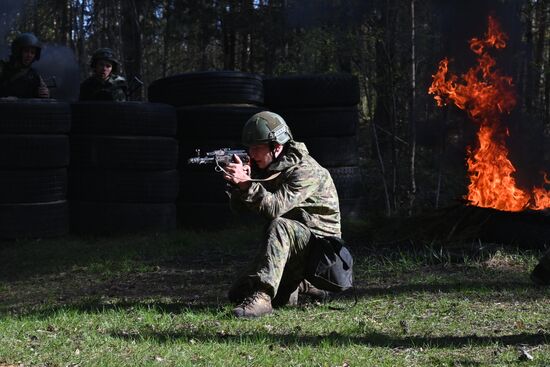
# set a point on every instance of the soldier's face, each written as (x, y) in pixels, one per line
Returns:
(103, 69)
(262, 155)
(28, 54)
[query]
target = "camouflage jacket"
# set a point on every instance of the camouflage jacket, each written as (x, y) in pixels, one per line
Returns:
(304, 191)
(96, 89)
(18, 82)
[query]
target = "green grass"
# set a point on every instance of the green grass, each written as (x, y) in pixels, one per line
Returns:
(159, 300)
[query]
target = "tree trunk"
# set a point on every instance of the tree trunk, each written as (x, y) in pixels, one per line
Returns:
(412, 126)
(65, 22)
(541, 17)
(131, 38)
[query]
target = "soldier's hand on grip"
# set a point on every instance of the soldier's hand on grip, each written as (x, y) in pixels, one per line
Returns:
(238, 173)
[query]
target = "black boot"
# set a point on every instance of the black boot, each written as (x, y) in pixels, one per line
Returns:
(540, 275)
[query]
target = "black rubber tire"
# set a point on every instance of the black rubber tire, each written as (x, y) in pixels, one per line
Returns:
(213, 122)
(213, 216)
(34, 116)
(124, 186)
(33, 186)
(203, 185)
(123, 118)
(105, 218)
(124, 152)
(33, 151)
(333, 151)
(348, 182)
(34, 220)
(208, 186)
(331, 121)
(328, 151)
(353, 208)
(321, 90)
(211, 87)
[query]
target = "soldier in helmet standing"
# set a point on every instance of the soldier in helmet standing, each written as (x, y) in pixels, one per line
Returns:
(299, 200)
(104, 84)
(17, 77)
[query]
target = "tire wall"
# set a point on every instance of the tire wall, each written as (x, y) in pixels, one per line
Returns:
(212, 108)
(123, 174)
(321, 111)
(34, 155)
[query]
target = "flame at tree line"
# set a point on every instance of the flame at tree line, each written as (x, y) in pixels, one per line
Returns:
(486, 95)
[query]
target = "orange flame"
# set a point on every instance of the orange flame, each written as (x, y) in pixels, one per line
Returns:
(485, 95)
(541, 196)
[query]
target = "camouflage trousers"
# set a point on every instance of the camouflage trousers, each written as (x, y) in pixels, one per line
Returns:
(280, 263)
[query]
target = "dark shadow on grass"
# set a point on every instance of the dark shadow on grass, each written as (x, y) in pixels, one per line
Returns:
(372, 339)
(458, 286)
(214, 302)
(97, 307)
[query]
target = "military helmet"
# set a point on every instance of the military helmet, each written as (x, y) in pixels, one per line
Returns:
(26, 40)
(104, 54)
(265, 127)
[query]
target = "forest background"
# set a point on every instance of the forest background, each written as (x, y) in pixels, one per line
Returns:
(412, 152)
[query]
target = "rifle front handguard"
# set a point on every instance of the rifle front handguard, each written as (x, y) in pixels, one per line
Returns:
(220, 157)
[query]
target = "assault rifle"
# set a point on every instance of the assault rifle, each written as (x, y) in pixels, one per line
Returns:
(224, 156)
(219, 157)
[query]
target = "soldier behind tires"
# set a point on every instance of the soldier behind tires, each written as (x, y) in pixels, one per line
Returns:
(17, 77)
(104, 84)
(299, 200)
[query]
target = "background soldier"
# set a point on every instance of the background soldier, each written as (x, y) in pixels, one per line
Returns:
(104, 84)
(17, 77)
(300, 203)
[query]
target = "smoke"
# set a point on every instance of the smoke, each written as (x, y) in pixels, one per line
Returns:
(59, 63)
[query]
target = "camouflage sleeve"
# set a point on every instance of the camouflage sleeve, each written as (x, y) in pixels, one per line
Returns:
(120, 88)
(235, 202)
(301, 183)
(119, 95)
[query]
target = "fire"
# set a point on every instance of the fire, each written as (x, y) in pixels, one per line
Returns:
(486, 95)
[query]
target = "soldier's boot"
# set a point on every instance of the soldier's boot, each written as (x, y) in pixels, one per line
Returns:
(540, 275)
(286, 296)
(316, 294)
(256, 305)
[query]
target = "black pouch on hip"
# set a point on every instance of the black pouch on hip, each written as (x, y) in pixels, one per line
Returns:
(330, 265)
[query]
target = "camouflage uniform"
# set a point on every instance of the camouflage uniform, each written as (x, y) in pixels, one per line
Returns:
(18, 81)
(96, 89)
(300, 203)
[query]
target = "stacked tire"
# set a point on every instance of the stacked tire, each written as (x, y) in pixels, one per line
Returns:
(123, 174)
(321, 111)
(212, 108)
(34, 155)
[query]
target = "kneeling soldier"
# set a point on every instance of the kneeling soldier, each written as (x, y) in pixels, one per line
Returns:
(298, 199)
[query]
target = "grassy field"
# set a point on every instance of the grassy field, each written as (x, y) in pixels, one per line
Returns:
(159, 300)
